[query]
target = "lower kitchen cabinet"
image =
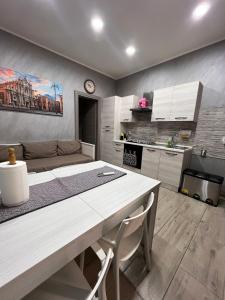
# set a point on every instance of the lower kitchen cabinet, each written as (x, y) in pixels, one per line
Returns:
(170, 167)
(111, 152)
(106, 144)
(165, 165)
(117, 154)
(150, 162)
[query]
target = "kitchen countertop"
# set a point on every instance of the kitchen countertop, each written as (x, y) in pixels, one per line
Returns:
(160, 146)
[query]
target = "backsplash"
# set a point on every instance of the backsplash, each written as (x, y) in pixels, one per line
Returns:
(207, 133)
(210, 130)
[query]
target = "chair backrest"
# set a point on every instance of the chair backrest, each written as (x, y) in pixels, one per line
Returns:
(100, 284)
(134, 225)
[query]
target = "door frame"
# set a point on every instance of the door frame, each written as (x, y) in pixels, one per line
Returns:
(76, 108)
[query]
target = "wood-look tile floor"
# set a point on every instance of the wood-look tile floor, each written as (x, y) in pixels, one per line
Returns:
(188, 255)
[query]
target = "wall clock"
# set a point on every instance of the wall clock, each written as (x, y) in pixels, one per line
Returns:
(89, 86)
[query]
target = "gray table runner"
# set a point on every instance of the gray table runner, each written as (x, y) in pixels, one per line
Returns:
(59, 189)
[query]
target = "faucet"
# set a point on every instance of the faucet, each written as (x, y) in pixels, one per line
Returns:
(171, 141)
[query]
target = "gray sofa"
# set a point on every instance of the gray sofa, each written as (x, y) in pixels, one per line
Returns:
(48, 155)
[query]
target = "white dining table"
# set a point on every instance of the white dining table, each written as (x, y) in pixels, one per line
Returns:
(36, 245)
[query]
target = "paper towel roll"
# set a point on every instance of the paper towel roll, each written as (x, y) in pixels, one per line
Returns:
(14, 183)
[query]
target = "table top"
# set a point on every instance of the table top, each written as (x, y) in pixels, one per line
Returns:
(112, 197)
(73, 225)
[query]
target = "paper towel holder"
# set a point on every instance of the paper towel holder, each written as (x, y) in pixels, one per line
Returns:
(14, 175)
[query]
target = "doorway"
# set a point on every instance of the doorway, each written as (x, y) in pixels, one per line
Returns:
(87, 118)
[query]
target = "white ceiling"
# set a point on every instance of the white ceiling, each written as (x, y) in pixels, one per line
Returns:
(160, 30)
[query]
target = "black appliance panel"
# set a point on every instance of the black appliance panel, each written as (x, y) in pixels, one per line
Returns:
(132, 155)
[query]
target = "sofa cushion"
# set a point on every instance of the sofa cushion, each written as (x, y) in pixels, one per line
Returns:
(69, 147)
(46, 164)
(40, 149)
(4, 152)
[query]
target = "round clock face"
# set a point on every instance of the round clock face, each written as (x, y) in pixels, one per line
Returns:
(89, 86)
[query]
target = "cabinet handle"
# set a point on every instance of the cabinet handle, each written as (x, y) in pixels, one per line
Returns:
(180, 118)
(117, 144)
(150, 150)
(160, 118)
(125, 119)
(107, 126)
(117, 150)
(107, 130)
(170, 153)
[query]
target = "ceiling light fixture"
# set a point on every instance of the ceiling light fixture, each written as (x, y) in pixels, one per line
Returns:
(130, 51)
(200, 10)
(97, 24)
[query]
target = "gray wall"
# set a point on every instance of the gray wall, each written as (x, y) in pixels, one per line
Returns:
(23, 56)
(206, 65)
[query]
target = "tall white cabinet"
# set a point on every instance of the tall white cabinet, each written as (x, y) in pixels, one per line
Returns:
(114, 112)
(108, 112)
(177, 103)
(110, 130)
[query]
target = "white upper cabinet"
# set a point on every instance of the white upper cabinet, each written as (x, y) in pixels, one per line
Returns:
(110, 128)
(177, 103)
(161, 109)
(125, 105)
(186, 101)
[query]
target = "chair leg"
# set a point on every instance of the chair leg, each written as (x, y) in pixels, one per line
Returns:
(116, 272)
(146, 247)
(82, 255)
(102, 291)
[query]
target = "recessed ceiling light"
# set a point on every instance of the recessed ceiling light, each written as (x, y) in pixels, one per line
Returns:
(130, 50)
(200, 10)
(97, 24)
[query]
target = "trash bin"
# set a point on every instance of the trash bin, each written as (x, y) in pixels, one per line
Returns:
(201, 186)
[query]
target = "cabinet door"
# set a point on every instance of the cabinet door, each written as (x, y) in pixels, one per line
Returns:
(125, 105)
(117, 155)
(161, 109)
(170, 167)
(106, 144)
(107, 113)
(184, 101)
(150, 162)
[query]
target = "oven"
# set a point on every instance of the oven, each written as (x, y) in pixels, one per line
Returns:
(132, 155)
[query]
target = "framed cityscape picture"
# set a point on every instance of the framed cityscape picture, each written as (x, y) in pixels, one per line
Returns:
(28, 93)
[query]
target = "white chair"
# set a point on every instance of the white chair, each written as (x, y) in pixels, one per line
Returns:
(69, 283)
(125, 240)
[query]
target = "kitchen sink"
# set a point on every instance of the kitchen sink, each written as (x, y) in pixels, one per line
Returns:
(180, 147)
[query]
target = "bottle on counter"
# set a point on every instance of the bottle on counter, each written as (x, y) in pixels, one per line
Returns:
(122, 136)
